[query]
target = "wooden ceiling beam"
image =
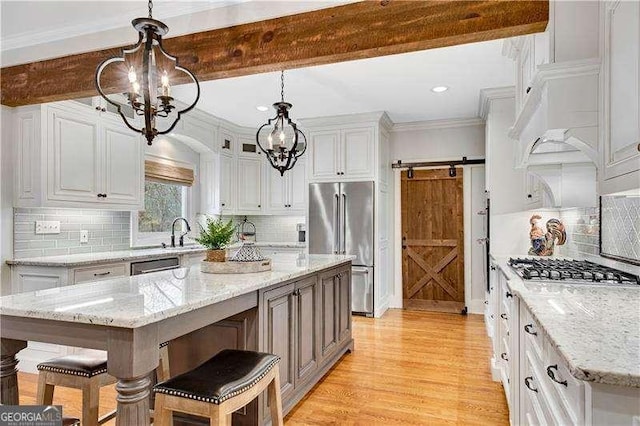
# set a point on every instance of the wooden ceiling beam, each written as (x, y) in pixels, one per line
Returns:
(353, 31)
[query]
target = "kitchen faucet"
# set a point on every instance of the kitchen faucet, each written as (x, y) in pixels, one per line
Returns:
(173, 231)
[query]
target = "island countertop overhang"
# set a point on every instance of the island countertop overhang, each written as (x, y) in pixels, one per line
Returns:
(133, 302)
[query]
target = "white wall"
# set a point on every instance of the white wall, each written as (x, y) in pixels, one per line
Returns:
(6, 200)
(446, 140)
(438, 140)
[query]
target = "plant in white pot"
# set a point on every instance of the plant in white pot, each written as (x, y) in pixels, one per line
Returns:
(215, 236)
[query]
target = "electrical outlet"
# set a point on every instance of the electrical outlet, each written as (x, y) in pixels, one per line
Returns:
(84, 236)
(47, 227)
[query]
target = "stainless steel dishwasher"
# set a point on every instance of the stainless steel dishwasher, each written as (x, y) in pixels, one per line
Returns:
(157, 265)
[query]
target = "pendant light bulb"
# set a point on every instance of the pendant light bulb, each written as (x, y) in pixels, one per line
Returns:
(132, 75)
(136, 87)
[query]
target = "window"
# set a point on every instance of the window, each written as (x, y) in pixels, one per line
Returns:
(167, 195)
(163, 202)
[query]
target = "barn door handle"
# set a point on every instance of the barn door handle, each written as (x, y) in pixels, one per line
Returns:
(404, 246)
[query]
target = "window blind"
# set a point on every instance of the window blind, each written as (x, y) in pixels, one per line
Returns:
(166, 173)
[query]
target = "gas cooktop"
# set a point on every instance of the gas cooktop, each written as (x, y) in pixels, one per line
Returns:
(571, 271)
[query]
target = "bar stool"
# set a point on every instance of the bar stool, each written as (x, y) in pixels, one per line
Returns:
(220, 386)
(87, 373)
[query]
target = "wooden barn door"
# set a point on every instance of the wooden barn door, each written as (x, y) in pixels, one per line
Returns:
(432, 241)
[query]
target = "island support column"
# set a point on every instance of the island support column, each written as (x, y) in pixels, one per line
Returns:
(132, 356)
(9, 370)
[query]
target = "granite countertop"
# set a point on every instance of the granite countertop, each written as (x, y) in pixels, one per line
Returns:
(132, 302)
(87, 259)
(595, 328)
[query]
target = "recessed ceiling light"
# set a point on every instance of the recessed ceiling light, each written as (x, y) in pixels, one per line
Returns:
(262, 108)
(440, 89)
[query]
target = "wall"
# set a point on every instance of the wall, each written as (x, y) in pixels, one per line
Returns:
(437, 140)
(6, 200)
(108, 231)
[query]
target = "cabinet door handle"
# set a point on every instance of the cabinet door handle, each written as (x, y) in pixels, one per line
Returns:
(527, 383)
(528, 89)
(529, 329)
(508, 294)
(259, 206)
(102, 274)
(529, 196)
(493, 268)
(97, 108)
(504, 316)
(551, 372)
(102, 195)
(503, 355)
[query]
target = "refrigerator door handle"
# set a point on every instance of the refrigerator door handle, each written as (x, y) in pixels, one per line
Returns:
(336, 232)
(344, 223)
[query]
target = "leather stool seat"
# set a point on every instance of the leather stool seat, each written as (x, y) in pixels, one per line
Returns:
(76, 365)
(227, 374)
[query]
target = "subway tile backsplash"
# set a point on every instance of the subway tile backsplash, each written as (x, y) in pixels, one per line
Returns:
(108, 231)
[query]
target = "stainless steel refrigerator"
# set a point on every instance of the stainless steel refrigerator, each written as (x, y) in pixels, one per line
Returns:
(341, 222)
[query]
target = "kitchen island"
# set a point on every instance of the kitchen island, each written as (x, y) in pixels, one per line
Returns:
(300, 310)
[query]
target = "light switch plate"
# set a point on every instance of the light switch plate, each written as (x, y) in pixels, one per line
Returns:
(47, 227)
(84, 236)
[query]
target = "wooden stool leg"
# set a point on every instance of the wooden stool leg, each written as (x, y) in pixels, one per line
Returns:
(45, 390)
(162, 416)
(275, 398)
(90, 401)
(162, 372)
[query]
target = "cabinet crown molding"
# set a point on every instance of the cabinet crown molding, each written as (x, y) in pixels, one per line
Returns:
(490, 94)
(437, 124)
(339, 120)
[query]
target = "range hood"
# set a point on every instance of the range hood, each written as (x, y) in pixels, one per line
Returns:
(557, 132)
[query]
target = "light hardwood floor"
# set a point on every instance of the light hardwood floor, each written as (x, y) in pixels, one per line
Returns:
(408, 367)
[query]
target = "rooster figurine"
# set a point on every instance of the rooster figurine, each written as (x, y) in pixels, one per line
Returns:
(543, 243)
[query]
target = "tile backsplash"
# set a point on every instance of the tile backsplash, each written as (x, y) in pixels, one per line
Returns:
(621, 227)
(108, 231)
(583, 228)
(273, 229)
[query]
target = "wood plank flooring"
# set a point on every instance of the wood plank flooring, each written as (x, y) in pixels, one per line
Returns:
(408, 368)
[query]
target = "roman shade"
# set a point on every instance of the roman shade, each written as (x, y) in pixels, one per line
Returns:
(167, 173)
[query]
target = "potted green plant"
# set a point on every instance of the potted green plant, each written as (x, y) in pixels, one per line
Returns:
(215, 236)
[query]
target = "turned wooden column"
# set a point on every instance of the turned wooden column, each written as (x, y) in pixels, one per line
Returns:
(9, 369)
(132, 355)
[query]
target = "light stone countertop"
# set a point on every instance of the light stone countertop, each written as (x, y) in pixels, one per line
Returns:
(595, 328)
(88, 259)
(132, 302)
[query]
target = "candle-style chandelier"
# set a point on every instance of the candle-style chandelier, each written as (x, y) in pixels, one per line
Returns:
(148, 69)
(279, 137)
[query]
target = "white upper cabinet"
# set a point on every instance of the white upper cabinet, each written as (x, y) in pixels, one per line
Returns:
(227, 181)
(122, 160)
(326, 160)
(70, 155)
(621, 112)
(287, 194)
(249, 185)
(342, 154)
(73, 157)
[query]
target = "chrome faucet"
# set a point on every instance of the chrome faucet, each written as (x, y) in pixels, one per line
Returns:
(173, 231)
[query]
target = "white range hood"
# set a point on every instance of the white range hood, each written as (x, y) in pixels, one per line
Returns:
(557, 132)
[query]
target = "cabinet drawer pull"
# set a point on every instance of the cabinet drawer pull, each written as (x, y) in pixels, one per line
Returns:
(529, 329)
(508, 294)
(552, 375)
(503, 316)
(102, 274)
(493, 268)
(527, 383)
(503, 355)
(528, 89)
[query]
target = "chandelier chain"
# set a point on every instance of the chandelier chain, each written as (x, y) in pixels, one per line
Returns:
(150, 5)
(282, 85)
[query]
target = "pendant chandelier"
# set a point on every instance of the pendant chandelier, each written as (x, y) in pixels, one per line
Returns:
(279, 138)
(148, 69)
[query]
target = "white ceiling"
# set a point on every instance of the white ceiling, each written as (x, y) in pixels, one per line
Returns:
(399, 84)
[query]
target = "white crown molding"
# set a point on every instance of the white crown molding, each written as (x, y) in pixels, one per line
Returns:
(437, 124)
(161, 10)
(339, 120)
(488, 95)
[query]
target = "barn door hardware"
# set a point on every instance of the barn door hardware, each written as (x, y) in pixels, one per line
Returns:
(400, 165)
